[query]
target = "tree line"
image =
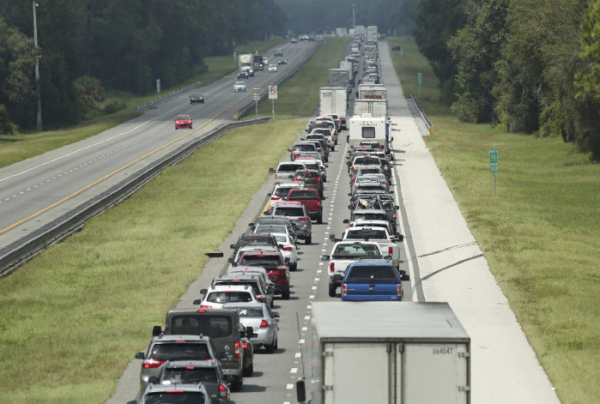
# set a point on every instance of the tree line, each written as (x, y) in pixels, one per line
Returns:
(530, 65)
(327, 15)
(86, 46)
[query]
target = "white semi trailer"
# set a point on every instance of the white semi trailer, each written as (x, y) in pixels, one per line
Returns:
(334, 101)
(376, 108)
(387, 353)
(246, 62)
(372, 92)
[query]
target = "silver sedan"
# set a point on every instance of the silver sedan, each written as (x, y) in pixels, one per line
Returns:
(262, 320)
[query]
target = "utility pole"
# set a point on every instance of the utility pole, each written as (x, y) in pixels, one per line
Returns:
(353, 19)
(37, 72)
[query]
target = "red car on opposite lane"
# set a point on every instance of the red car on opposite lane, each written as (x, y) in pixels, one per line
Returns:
(183, 121)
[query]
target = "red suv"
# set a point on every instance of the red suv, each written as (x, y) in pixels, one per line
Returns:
(309, 197)
(276, 267)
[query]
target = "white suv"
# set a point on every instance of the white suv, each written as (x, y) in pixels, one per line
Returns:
(216, 296)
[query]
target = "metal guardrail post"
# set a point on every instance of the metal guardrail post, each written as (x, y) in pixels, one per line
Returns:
(423, 115)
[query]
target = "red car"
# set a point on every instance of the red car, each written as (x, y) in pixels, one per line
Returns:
(276, 267)
(183, 121)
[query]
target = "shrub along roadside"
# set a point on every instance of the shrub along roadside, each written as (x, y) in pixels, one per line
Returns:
(75, 315)
(539, 235)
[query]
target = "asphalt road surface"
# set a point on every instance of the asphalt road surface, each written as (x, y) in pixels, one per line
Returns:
(38, 190)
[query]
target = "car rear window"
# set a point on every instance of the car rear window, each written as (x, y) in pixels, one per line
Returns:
(282, 191)
(364, 233)
(180, 352)
(264, 240)
(211, 325)
(323, 132)
(270, 229)
(304, 147)
(232, 296)
(356, 251)
(257, 260)
(240, 283)
(190, 376)
(307, 174)
(372, 273)
(248, 312)
(290, 167)
(175, 397)
(303, 194)
(369, 216)
(288, 211)
(368, 161)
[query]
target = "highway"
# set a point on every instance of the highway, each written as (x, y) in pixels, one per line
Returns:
(275, 374)
(38, 190)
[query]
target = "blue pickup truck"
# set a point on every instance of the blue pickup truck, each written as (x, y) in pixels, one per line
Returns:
(372, 281)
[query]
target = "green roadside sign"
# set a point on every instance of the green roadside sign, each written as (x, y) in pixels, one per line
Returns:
(493, 161)
(401, 51)
(420, 78)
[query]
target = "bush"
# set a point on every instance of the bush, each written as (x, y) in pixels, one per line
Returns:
(114, 107)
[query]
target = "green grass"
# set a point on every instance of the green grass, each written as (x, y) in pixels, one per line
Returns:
(73, 317)
(21, 146)
(540, 236)
(299, 96)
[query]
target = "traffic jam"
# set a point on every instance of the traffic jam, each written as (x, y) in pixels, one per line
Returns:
(203, 354)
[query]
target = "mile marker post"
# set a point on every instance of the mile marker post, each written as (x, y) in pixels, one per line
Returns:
(494, 166)
(273, 96)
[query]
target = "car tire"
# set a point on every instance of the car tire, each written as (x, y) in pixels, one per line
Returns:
(190, 126)
(176, 128)
(320, 219)
(285, 294)
(236, 384)
(308, 241)
(332, 290)
(272, 347)
(294, 267)
(250, 371)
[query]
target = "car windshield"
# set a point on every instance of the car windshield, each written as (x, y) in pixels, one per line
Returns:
(195, 96)
(174, 397)
(364, 234)
(211, 325)
(180, 352)
(383, 273)
(356, 251)
(288, 211)
(372, 216)
(248, 312)
(261, 259)
(189, 375)
(239, 83)
(229, 296)
(281, 239)
(183, 117)
(272, 65)
(253, 284)
(282, 191)
(303, 194)
(291, 168)
(304, 147)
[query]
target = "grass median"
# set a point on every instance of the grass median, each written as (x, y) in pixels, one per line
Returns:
(299, 96)
(21, 146)
(540, 234)
(73, 317)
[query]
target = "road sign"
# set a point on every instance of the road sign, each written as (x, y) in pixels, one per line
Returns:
(158, 86)
(235, 56)
(401, 51)
(493, 161)
(420, 78)
(272, 92)
(256, 94)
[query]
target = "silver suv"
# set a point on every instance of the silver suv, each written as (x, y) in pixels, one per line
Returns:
(184, 393)
(295, 213)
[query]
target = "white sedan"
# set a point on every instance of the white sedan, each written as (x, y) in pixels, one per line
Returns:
(288, 249)
(239, 86)
(272, 68)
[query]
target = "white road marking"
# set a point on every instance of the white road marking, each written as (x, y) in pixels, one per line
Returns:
(294, 370)
(301, 341)
(289, 387)
(298, 355)
(311, 297)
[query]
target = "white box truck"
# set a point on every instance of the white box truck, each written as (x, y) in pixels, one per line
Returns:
(347, 65)
(339, 78)
(387, 353)
(372, 92)
(334, 101)
(377, 108)
(246, 62)
(365, 128)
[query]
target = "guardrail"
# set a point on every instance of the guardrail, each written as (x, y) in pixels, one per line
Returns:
(423, 114)
(14, 255)
(251, 105)
(158, 101)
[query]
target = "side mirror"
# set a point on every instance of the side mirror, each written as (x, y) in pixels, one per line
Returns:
(392, 140)
(140, 355)
(332, 237)
(405, 277)
(270, 290)
(250, 333)
(287, 260)
(203, 291)
(230, 260)
(271, 171)
(350, 207)
(399, 237)
(396, 207)
(275, 315)
(326, 166)
(337, 278)
(301, 138)
(346, 221)
(156, 330)
(300, 391)
(324, 257)
(152, 380)
(281, 245)
(232, 246)
(250, 225)
(391, 191)
(290, 150)
(214, 255)
(350, 194)
(269, 194)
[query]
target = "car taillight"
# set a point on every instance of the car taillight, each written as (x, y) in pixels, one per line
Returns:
(331, 267)
(394, 217)
(152, 364)
(264, 324)
(201, 311)
(390, 250)
(204, 306)
(344, 290)
(303, 219)
(296, 179)
(222, 391)
(275, 175)
(275, 198)
(245, 345)
(318, 203)
(399, 290)
(317, 179)
(355, 186)
(354, 177)
(237, 349)
(260, 298)
(350, 225)
(287, 249)
(352, 168)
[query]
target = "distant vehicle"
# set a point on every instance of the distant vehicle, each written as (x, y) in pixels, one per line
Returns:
(272, 68)
(278, 52)
(183, 121)
(294, 40)
(396, 47)
(282, 62)
(239, 86)
(197, 98)
(246, 63)
(243, 74)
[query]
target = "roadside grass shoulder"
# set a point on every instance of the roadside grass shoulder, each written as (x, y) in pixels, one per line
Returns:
(21, 146)
(299, 96)
(540, 234)
(73, 317)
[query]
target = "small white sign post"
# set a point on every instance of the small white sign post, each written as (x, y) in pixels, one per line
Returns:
(273, 96)
(158, 86)
(256, 99)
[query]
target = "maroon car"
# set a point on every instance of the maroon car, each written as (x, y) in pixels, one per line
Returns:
(276, 267)
(183, 121)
